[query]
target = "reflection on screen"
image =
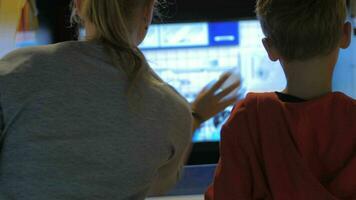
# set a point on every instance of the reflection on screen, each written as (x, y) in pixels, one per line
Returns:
(190, 55)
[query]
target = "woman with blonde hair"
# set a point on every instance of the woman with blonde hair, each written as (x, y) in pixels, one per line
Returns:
(90, 119)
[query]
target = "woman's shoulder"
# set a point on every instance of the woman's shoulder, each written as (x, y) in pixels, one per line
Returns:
(37, 50)
(171, 101)
(43, 51)
(21, 53)
(19, 57)
(35, 55)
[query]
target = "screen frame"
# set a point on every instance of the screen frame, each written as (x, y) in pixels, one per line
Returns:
(204, 153)
(200, 10)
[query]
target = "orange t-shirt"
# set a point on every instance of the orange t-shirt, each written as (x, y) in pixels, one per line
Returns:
(288, 151)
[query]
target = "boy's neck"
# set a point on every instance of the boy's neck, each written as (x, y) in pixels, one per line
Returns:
(309, 79)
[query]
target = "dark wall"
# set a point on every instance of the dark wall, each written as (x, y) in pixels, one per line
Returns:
(188, 10)
(54, 16)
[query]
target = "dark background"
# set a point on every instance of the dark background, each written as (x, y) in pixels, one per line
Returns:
(213, 10)
(54, 15)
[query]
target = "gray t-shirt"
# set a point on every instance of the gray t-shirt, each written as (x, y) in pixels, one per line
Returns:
(69, 130)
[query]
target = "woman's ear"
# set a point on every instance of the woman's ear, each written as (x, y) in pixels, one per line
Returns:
(148, 11)
(346, 35)
(271, 51)
(144, 20)
(78, 4)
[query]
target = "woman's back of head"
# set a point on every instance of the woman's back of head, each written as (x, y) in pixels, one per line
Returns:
(120, 25)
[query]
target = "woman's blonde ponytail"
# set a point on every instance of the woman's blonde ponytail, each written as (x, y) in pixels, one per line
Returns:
(111, 19)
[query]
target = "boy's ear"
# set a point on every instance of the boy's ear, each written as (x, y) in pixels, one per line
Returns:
(272, 53)
(346, 35)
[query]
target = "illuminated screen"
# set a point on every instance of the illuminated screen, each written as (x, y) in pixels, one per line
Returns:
(188, 56)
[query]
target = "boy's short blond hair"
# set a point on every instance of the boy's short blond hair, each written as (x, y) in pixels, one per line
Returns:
(302, 29)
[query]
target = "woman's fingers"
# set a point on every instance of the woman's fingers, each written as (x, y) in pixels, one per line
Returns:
(228, 102)
(219, 83)
(209, 102)
(228, 90)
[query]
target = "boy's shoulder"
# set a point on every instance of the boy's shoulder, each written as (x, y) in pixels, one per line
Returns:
(247, 105)
(345, 97)
(255, 98)
(274, 97)
(269, 103)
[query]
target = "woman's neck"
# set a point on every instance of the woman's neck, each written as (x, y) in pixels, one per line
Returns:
(90, 31)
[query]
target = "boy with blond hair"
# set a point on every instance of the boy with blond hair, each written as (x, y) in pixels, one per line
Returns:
(299, 143)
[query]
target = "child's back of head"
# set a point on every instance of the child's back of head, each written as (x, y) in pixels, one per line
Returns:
(305, 36)
(302, 29)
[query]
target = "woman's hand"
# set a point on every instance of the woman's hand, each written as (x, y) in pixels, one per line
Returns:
(210, 101)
